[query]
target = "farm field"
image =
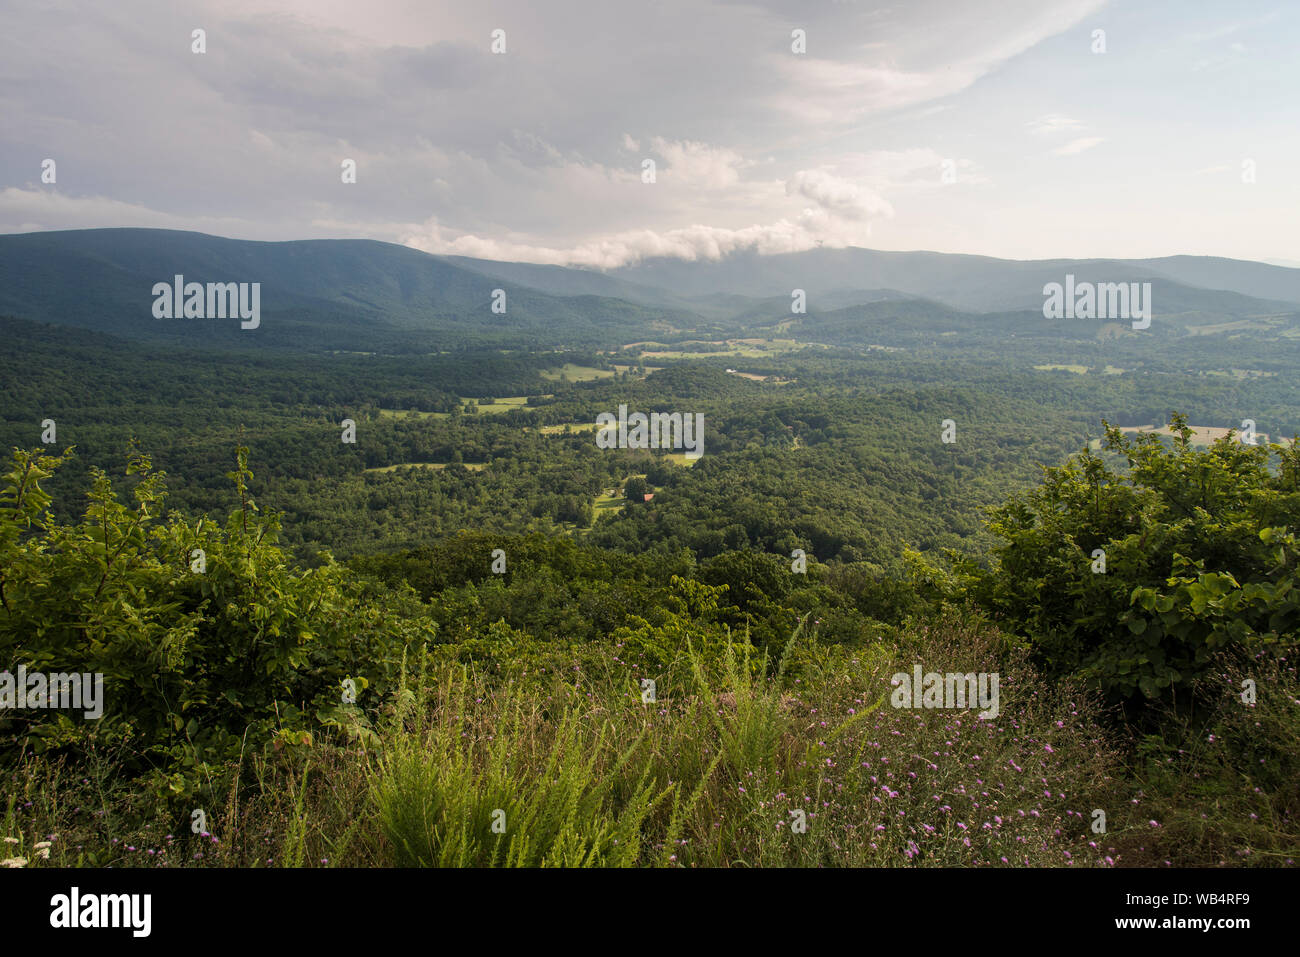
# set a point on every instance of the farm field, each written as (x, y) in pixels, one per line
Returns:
(750, 348)
(1203, 435)
(435, 466)
(576, 373)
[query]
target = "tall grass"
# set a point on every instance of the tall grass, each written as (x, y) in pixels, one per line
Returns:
(739, 766)
(519, 785)
(739, 762)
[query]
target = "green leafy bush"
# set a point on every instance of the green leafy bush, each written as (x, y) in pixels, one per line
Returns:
(1137, 580)
(208, 641)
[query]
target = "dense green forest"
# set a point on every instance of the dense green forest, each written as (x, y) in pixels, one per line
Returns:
(376, 651)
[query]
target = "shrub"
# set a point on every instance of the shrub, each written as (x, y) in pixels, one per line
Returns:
(208, 641)
(1200, 555)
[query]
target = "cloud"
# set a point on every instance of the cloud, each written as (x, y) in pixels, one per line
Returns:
(536, 154)
(699, 164)
(34, 209)
(1052, 124)
(1056, 124)
(840, 215)
(1078, 145)
(838, 197)
(917, 53)
(902, 171)
(696, 242)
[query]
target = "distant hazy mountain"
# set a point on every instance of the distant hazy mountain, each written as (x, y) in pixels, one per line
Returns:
(979, 283)
(562, 281)
(341, 294)
(360, 295)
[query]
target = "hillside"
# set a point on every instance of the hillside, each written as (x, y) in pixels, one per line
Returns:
(361, 295)
(349, 295)
(975, 283)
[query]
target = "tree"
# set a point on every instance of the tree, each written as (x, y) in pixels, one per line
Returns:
(1136, 580)
(207, 640)
(635, 489)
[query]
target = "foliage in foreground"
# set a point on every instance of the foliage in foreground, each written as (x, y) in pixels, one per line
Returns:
(208, 640)
(1136, 581)
(736, 769)
(481, 741)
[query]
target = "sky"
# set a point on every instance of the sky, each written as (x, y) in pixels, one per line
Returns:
(1024, 129)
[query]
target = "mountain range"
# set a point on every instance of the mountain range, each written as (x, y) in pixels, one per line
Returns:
(363, 295)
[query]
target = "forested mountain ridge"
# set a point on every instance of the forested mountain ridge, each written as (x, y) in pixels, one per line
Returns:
(352, 295)
(974, 283)
(367, 296)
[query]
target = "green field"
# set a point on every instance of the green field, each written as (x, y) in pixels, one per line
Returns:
(735, 348)
(403, 413)
(567, 427)
(622, 367)
(1079, 370)
(507, 403)
(575, 373)
(1236, 325)
(1239, 373)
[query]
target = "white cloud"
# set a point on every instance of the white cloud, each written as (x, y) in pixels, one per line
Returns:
(699, 164)
(530, 155)
(1052, 124)
(1078, 145)
(696, 242)
(901, 171)
(837, 196)
(34, 209)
